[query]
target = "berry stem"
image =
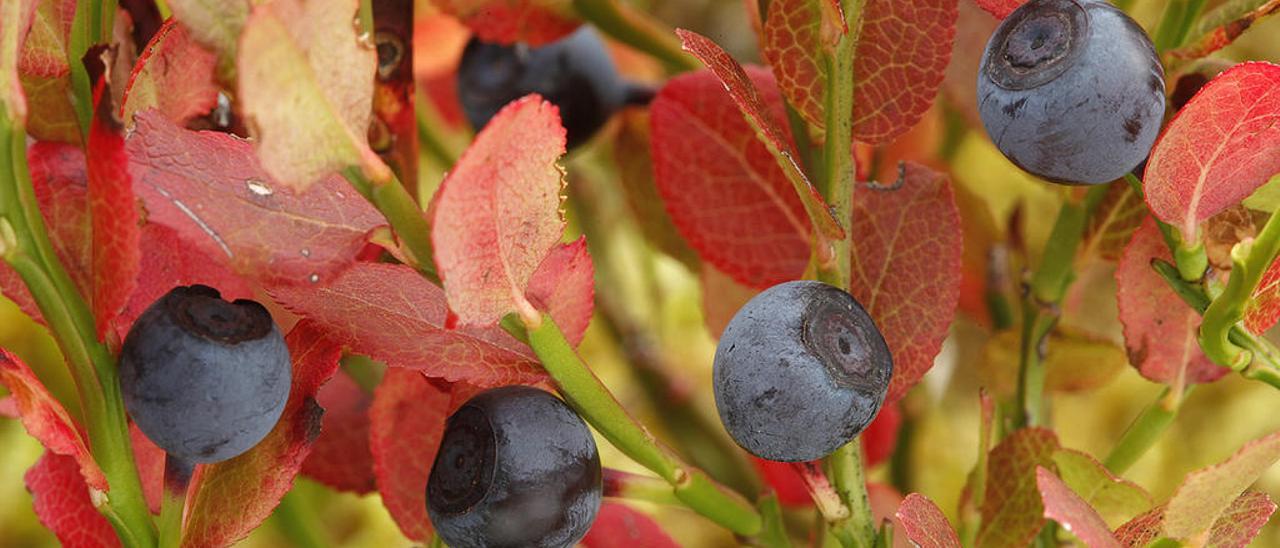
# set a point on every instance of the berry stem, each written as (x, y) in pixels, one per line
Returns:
(837, 153)
(845, 469)
(177, 480)
(774, 534)
(1044, 293)
(636, 29)
(583, 391)
(1250, 260)
(71, 322)
(824, 496)
(406, 218)
(1145, 430)
(625, 485)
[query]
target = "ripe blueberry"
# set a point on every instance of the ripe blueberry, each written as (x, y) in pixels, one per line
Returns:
(205, 379)
(800, 371)
(516, 467)
(575, 73)
(1071, 90)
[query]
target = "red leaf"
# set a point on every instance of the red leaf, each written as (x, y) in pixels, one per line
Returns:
(786, 482)
(1238, 525)
(619, 526)
(901, 59)
(341, 457)
(8, 407)
(210, 187)
(405, 424)
(230, 499)
(150, 459)
(911, 290)
(114, 216)
(725, 192)
(924, 524)
(497, 214)
(881, 436)
(1218, 149)
(564, 286)
(1160, 330)
(1263, 309)
(61, 500)
(174, 75)
(534, 22)
(1113, 224)
(1012, 513)
(1064, 506)
(1000, 8)
(394, 315)
(747, 98)
(169, 261)
(46, 419)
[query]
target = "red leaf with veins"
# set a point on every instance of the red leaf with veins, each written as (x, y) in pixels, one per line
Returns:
(113, 214)
(1208, 493)
(497, 214)
(1064, 506)
(619, 526)
(1012, 513)
(341, 457)
(210, 187)
(726, 194)
(173, 75)
(1000, 8)
(394, 315)
(61, 501)
(232, 498)
(534, 22)
(747, 98)
(906, 268)
(1160, 330)
(405, 424)
(1263, 309)
(901, 59)
(564, 286)
(46, 419)
(1223, 145)
(1238, 525)
(924, 524)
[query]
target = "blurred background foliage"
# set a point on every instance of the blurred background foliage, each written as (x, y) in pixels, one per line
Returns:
(938, 443)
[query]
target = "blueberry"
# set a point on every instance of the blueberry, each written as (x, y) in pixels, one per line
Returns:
(516, 467)
(574, 73)
(800, 371)
(1071, 90)
(203, 378)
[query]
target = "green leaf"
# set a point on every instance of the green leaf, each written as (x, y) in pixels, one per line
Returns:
(1115, 499)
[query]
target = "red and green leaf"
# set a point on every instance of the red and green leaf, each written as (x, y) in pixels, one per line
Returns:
(341, 457)
(497, 215)
(1115, 499)
(1065, 506)
(534, 22)
(899, 65)
(215, 24)
(564, 286)
(230, 499)
(906, 268)
(1113, 224)
(61, 501)
(1238, 525)
(721, 185)
(1012, 513)
(46, 419)
(43, 71)
(394, 315)
(210, 187)
(173, 75)
(1223, 145)
(747, 98)
(1160, 330)
(924, 524)
(620, 526)
(306, 86)
(406, 421)
(1000, 8)
(1207, 493)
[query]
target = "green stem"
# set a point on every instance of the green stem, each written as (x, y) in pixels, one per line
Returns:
(636, 29)
(837, 152)
(1145, 430)
(297, 520)
(406, 218)
(70, 320)
(1040, 305)
(1179, 16)
(774, 534)
(625, 485)
(1250, 260)
(365, 371)
(177, 480)
(587, 395)
(845, 468)
(365, 18)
